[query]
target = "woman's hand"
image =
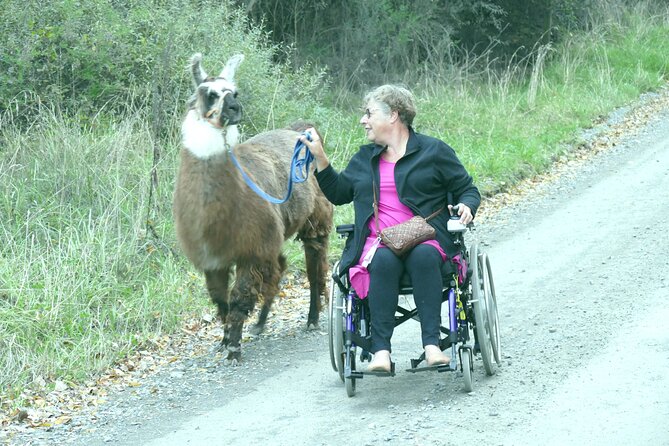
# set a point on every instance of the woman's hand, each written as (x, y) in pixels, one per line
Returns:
(464, 212)
(315, 146)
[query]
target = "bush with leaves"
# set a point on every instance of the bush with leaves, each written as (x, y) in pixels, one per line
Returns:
(85, 57)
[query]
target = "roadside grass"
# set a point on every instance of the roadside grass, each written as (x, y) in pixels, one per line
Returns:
(81, 284)
(82, 280)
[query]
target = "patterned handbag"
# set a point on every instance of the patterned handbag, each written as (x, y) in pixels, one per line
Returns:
(401, 238)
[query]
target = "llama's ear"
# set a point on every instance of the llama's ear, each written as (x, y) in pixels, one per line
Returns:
(199, 75)
(231, 66)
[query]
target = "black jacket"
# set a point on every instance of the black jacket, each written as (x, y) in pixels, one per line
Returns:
(424, 176)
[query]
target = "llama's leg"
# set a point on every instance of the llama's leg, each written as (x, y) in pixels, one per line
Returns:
(315, 235)
(242, 300)
(217, 285)
(315, 254)
(270, 288)
(324, 279)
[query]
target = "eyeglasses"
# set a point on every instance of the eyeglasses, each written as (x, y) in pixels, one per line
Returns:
(369, 112)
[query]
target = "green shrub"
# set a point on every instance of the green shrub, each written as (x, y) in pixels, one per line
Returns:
(85, 57)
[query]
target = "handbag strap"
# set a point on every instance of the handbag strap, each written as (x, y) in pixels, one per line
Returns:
(375, 206)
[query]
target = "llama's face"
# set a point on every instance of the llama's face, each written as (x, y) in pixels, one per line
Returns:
(217, 102)
(216, 97)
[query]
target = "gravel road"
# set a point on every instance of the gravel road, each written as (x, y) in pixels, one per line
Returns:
(582, 277)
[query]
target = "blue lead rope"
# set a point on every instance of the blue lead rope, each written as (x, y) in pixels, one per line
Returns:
(299, 171)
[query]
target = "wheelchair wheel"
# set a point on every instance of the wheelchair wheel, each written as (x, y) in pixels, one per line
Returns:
(335, 327)
(479, 305)
(466, 363)
(491, 304)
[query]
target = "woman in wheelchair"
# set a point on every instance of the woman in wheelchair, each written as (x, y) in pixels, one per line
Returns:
(411, 174)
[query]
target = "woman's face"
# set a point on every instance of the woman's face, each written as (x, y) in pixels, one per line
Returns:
(375, 121)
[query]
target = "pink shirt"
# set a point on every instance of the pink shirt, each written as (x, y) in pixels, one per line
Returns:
(391, 212)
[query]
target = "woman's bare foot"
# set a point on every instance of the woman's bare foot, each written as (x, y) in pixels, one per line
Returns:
(380, 362)
(434, 356)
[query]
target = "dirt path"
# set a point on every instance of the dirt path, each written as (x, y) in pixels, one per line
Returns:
(582, 277)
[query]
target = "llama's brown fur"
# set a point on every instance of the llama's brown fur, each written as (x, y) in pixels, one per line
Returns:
(223, 226)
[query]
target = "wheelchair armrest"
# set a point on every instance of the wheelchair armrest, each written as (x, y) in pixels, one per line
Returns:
(345, 230)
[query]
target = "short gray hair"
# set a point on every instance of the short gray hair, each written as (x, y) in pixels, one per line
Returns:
(397, 98)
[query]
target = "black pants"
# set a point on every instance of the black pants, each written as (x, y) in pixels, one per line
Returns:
(423, 264)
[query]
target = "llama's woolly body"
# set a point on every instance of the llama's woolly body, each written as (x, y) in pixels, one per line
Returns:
(217, 212)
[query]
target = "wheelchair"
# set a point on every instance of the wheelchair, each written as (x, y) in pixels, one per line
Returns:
(472, 327)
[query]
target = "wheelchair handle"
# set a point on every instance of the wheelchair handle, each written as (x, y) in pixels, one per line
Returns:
(345, 230)
(454, 212)
(454, 226)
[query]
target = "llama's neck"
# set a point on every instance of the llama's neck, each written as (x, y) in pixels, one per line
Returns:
(203, 139)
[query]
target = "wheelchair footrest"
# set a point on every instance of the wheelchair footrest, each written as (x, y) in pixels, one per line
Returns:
(380, 374)
(361, 374)
(431, 368)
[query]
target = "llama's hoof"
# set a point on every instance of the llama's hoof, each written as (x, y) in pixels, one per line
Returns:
(231, 362)
(256, 329)
(234, 357)
(311, 326)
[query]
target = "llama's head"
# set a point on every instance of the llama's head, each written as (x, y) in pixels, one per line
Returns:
(215, 98)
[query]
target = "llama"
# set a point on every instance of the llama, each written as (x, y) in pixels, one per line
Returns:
(223, 226)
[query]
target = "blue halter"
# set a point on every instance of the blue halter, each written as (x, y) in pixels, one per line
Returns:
(299, 171)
